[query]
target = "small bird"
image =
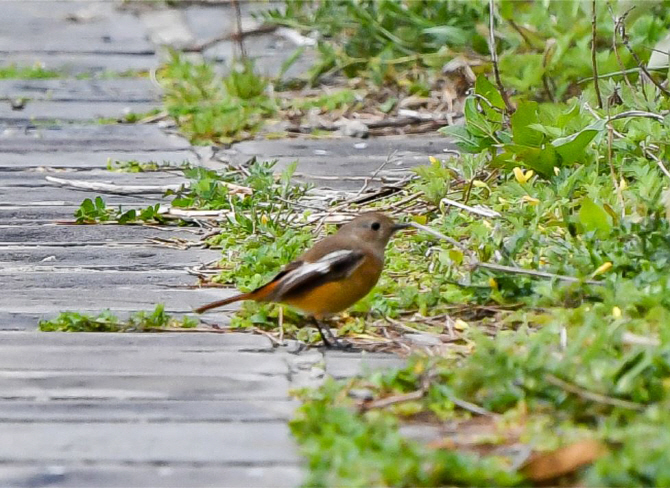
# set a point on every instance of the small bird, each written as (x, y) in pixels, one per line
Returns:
(331, 276)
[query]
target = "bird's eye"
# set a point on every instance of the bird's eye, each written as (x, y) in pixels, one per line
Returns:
(375, 226)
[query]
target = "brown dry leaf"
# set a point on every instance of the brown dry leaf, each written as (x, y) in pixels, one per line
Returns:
(547, 466)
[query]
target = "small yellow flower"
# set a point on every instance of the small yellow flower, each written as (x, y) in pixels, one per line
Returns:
(502, 201)
(493, 283)
(264, 219)
(479, 184)
(623, 185)
(433, 160)
(460, 324)
(556, 170)
(521, 176)
(529, 200)
(602, 268)
(616, 312)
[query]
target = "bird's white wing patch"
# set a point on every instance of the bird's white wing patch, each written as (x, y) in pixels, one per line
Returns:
(321, 267)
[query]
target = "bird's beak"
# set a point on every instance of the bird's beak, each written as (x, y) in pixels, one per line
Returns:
(398, 227)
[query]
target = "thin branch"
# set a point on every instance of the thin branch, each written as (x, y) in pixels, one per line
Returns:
(471, 407)
(440, 235)
(659, 162)
(594, 397)
(532, 272)
(594, 64)
(615, 48)
(136, 189)
(548, 51)
(235, 36)
(481, 211)
(475, 263)
(494, 58)
(610, 161)
(238, 28)
(621, 29)
(393, 400)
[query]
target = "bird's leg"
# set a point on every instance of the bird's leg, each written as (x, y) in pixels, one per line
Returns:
(329, 340)
(326, 337)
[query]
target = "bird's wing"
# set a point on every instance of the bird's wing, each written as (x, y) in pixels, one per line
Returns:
(333, 266)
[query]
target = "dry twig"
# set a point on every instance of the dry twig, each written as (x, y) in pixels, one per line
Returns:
(593, 55)
(494, 58)
(594, 397)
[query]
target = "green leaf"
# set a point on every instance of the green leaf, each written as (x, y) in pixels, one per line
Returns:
(489, 91)
(594, 218)
(522, 118)
(572, 148)
(465, 140)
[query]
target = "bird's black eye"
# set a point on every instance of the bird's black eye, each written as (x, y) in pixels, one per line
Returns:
(375, 225)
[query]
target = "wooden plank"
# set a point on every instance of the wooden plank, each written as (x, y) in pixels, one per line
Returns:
(53, 26)
(88, 159)
(95, 234)
(229, 341)
(79, 138)
(223, 443)
(130, 258)
(48, 302)
(74, 475)
(62, 90)
(158, 411)
(48, 111)
(219, 385)
(168, 361)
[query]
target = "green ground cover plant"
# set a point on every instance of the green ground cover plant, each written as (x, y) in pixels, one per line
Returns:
(544, 288)
(142, 321)
(13, 71)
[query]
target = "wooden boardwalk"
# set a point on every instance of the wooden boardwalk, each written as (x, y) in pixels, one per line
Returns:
(122, 410)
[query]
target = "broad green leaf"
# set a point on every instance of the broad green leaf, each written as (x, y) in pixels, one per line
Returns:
(594, 218)
(572, 148)
(522, 118)
(464, 139)
(541, 160)
(475, 121)
(489, 91)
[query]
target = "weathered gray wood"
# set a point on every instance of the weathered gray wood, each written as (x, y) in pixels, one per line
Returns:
(60, 90)
(10, 196)
(81, 234)
(224, 443)
(86, 26)
(70, 278)
(173, 476)
(219, 385)
(88, 160)
(131, 258)
(345, 147)
(177, 360)
(38, 178)
(73, 111)
(87, 137)
(50, 301)
(88, 64)
(159, 411)
(347, 365)
(229, 341)
(37, 214)
(344, 157)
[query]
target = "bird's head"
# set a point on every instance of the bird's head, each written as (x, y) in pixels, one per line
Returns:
(373, 227)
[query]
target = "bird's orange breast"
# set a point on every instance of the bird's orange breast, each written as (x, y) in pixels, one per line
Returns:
(336, 296)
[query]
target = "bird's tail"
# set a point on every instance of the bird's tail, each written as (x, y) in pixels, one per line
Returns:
(225, 301)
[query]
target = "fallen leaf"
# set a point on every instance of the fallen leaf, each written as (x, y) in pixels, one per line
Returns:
(550, 465)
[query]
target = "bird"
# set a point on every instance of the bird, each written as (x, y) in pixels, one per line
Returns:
(335, 273)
